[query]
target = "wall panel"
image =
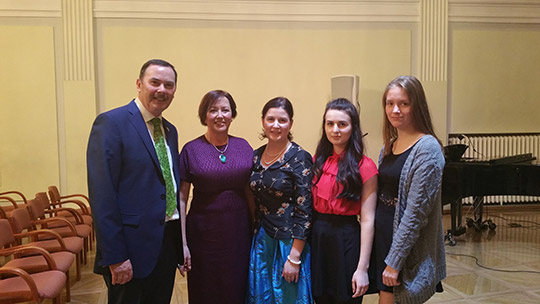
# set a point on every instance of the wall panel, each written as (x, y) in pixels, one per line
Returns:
(480, 75)
(256, 65)
(495, 80)
(29, 150)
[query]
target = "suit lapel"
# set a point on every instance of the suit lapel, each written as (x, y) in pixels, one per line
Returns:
(138, 123)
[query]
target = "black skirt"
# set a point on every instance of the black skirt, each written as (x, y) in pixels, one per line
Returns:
(335, 241)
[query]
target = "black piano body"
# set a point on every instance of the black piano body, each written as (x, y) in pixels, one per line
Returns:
(473, 178)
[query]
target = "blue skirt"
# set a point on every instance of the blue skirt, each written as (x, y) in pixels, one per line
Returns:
(266, 285)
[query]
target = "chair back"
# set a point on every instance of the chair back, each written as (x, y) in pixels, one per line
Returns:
(5, 210)
(18, 194)
(44, 200)
(20, 220)
(6, 234)
(37, 211)
(54, 194)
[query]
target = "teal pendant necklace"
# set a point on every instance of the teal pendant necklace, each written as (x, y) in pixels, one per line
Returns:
(222, 157)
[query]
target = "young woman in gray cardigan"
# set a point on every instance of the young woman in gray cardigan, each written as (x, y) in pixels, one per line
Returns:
(409, 240)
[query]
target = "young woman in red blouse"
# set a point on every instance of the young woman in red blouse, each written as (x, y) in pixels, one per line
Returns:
(344, 186)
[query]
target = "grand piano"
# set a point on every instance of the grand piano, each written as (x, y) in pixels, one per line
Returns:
(515, 175)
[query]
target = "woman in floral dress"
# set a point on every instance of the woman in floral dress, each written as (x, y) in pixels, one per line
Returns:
(279, 270)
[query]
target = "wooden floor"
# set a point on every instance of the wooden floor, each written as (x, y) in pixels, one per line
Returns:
(500, 266)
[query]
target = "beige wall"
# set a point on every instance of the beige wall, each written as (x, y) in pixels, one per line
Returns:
(495, 80)
(255, 65)
(29, 156)
(256, 50)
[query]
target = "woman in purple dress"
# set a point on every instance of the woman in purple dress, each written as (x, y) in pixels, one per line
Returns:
(218, 224)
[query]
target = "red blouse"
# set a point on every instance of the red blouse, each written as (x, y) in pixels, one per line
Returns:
(325, 192)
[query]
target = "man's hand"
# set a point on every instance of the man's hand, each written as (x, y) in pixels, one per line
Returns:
(121, 272)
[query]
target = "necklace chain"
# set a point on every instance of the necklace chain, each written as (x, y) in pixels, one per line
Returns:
(224, 149)
(219, 151)
(222, 158)
(273, 157)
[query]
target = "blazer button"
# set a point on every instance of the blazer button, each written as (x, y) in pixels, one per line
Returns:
(163, 196)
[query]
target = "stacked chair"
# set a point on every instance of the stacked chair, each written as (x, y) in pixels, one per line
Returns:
(71, 220)
(40, 239)
(81, 201)
(31, 277)
(5, 210)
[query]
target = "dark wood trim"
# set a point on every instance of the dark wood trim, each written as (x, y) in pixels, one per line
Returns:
(454, 135)
(532, 207)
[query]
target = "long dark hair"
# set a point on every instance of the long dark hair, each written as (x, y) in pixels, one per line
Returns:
(421, 118)
(348, 173)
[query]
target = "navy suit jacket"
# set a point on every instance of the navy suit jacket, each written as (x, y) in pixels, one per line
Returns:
(127, 189)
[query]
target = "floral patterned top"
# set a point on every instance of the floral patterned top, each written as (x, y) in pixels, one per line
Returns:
(282, 193)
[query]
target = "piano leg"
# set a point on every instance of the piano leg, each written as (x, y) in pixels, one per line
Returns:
(450, 237)
(459, 207)
(478, 224)
(455, 219)
(478, 205)
(450, 233)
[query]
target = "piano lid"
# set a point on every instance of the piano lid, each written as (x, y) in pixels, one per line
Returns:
(519, 158)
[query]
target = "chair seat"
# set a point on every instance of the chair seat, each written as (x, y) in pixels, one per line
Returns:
(74, 244)
(87, 219)
(49, 285)
(82, 231)
(62, 259)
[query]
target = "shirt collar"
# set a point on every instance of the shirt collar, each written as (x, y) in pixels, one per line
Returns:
(335, 155)
(147, 116)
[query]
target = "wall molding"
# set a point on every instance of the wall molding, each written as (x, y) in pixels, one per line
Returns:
(31, 8)
(317, 11)
(78, 40)
(473, 11)
(434, 40)
(494, 11)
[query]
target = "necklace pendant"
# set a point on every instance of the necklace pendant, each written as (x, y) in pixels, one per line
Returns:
(222, 158)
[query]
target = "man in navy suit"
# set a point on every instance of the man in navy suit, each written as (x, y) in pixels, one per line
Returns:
(139, 244)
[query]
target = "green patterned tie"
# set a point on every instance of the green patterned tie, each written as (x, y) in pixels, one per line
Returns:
(161, 150)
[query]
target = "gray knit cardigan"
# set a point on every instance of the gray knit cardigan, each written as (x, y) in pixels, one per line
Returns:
(417, 249)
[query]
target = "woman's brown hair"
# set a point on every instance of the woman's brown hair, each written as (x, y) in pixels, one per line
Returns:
(421, 118)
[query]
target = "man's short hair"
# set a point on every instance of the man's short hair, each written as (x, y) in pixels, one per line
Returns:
(159, 62)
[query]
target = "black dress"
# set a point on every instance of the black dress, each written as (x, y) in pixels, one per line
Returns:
(387, 198)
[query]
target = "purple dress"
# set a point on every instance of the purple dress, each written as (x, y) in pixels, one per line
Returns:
(217, 225)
